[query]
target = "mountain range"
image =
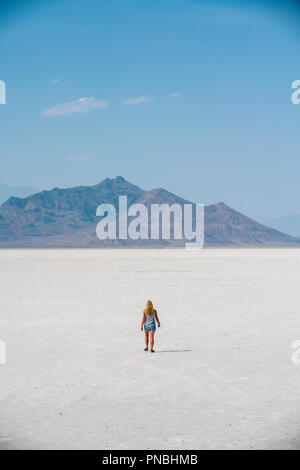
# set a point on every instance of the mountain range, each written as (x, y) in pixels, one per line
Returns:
(19, 191)
(289, 224)
(67, 218)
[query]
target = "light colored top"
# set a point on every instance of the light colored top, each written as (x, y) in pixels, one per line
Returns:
(150, 319)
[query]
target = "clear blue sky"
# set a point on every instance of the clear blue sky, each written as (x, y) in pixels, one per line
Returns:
(188, 95)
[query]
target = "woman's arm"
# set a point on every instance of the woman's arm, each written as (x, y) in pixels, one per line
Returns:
(157, 319)
(143, 321)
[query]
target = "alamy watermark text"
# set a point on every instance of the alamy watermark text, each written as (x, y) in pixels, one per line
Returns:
(296, 94)
(2, 353)
(160, 221)
(2, 92)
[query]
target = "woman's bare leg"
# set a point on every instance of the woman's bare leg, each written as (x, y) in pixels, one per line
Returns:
(146, 338)
(151, 339)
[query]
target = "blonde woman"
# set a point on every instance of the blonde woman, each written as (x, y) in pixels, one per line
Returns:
(148, 324)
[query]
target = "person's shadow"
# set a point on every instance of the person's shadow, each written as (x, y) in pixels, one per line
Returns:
(174, 350)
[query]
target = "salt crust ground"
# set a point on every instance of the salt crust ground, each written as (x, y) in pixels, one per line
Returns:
(77, 376)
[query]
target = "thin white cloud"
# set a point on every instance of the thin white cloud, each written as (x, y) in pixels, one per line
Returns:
(55, 81)
(81, 158)
(175, 95)
(138, 100)
(81, 106)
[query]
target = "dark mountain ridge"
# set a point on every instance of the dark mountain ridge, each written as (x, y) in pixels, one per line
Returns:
(67, 218)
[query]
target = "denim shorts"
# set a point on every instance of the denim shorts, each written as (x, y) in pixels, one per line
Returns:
(149, 328)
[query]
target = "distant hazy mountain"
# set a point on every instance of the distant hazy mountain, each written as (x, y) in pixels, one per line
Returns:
(289, 224)
(19, 191)
(67, 218)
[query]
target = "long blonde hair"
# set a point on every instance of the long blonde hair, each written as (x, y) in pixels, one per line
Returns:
(149, 308)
